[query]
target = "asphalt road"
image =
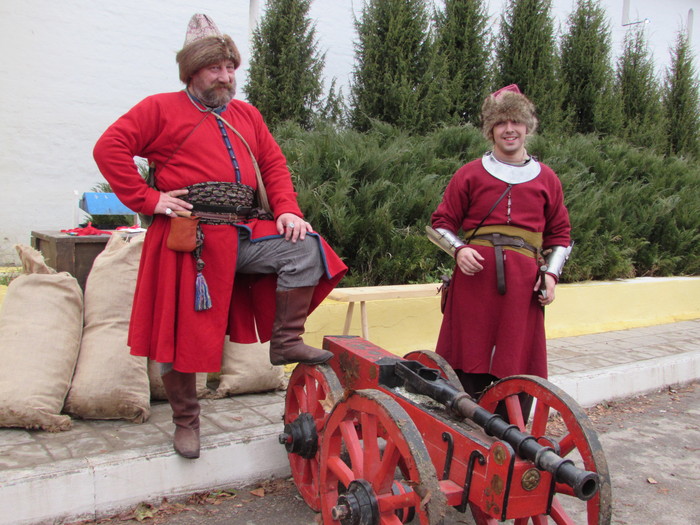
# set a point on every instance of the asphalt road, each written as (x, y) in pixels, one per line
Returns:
(651, 443)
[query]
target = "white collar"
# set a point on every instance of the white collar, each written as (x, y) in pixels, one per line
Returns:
(509, 173)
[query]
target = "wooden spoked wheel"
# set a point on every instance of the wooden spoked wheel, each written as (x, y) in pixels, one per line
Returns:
(311, 395)
(437, 362)
(572, 431)
(375, 468)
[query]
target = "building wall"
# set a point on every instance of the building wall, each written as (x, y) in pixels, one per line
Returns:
(70, 68)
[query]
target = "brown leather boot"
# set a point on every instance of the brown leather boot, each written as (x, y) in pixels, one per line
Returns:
(181, 389)
(286, 344)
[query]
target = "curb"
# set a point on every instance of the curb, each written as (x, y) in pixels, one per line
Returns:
(614, 382)
(92, 488)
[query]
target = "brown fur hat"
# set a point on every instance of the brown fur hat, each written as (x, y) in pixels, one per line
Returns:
(507, 104)
(205, 45)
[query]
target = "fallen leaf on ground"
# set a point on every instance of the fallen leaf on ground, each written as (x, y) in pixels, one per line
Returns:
(258, 492)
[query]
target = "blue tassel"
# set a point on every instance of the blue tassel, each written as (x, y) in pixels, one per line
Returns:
(202, 299)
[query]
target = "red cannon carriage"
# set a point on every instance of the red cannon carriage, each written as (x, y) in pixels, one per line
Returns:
(374, 439)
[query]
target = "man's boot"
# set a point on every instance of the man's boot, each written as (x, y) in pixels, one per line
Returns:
(181, 389)
(286, 344)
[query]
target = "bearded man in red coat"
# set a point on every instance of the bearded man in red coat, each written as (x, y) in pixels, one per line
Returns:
(254, 273)
(510, 208)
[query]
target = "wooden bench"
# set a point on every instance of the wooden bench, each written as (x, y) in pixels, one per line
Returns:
(375, 293)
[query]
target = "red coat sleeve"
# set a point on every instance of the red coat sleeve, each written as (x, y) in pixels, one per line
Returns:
(557, 230)
(454, 206)
(115, 150)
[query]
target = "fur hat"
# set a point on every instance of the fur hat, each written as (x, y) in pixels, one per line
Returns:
(507, 103)
(204, 45)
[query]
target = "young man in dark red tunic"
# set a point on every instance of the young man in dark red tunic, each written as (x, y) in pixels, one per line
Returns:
(510, 208)
(252, 275)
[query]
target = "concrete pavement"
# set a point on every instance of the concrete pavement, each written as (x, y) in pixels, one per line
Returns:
(99, 468)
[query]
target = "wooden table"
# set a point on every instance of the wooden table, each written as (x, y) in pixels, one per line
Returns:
(69, 253)
(375, 293)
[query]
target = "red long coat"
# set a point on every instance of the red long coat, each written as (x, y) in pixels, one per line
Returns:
(168, 129)
(482, 331)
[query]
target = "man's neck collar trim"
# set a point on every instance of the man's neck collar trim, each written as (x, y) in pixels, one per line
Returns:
(509, 173)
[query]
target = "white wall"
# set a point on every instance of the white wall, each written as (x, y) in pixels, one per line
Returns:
(70, 68)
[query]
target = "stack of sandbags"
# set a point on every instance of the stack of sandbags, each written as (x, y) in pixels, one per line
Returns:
(246, 369)
(110, 383)
(41, 324)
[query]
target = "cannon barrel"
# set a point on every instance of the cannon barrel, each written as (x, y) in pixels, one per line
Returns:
(427, 381)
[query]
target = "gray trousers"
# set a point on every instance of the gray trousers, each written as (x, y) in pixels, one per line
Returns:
(297, 265)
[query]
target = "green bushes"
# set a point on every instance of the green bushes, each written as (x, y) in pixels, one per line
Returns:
(633, 212)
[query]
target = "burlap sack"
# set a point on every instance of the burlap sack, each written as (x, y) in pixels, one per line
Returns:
(110, 383)
(158, 390)
(41, 323)
(247, 369)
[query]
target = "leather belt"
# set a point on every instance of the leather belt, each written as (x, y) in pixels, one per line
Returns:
(223, 217)
(211, 208)
(500, 241)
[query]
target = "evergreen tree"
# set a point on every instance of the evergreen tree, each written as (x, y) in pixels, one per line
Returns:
(526, 55)
(461, 40)
(392, 59)
(643, 118)
(284, 78)
(587, 72)
(681, 100)
(333, 109)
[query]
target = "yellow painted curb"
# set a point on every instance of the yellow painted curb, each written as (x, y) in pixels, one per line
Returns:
(582, 308)
(402, 325)
(593, 307)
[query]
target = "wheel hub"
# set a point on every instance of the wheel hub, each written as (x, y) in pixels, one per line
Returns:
(300, 436)
(357, 506)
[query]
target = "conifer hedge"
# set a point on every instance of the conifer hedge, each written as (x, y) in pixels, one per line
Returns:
(633, 212)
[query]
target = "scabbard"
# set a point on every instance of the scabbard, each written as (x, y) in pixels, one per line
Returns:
(500, 270)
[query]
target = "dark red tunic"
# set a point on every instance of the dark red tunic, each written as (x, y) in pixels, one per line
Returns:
(482, 331)
(168, 129)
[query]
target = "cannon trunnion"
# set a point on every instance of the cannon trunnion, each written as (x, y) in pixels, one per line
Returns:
(376, 439)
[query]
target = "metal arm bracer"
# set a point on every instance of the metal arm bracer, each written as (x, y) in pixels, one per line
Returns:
(557, 258)
(444, 239)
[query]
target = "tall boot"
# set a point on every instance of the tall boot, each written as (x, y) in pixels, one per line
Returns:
(286, 344)
(474, 384)
(181, 389)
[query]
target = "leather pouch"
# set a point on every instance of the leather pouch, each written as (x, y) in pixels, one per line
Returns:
(183, 234)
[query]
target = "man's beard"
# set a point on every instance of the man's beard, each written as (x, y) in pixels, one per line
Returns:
(217, 95)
